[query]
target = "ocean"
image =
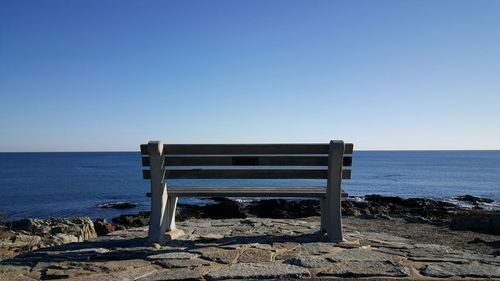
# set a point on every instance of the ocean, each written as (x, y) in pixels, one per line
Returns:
(44, 185)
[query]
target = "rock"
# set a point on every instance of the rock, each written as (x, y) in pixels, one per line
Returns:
(173, 274)
(310, 262)
(224, 209)
(473, 269)
(253, 255)
(173, 234)
(478, 221)
(384, 199)
(217, 254)
(51, 232)
(348, 209)
(366, 269)
(360, 254)
(258, 271)
(117, 205)
(16, 273)
(476, 241)
(28, 225)
(82, 228)
(280, 208)
(182, 263)
(309, 249)
(102, 227)
(174, 255)
(213, 230)
(473, 199)
(26, 242)
(417, 219)
(138, 220)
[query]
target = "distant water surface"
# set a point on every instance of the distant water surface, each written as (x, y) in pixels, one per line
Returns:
(73, 184)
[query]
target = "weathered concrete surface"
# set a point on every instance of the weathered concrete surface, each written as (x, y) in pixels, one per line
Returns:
(249, 248)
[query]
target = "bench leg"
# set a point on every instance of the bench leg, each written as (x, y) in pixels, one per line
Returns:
(324, 213)
(159, 219)
(170, 215)
(333, 221)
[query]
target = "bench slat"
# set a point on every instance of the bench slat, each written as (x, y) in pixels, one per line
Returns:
(247, 174)
(348, 148)
(247, 148)
(242, 191)
(205, 149)
(247, 160)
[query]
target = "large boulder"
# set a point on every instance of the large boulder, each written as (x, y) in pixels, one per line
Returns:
(102, 227)
(138, 220)
(29, 234)
(82, 227)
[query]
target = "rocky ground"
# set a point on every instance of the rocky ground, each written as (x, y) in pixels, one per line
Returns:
(258, 248)
(387, 237)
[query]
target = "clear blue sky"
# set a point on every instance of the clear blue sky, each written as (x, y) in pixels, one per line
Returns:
(109, 75)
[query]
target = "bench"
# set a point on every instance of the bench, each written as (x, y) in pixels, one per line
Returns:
(161, 162)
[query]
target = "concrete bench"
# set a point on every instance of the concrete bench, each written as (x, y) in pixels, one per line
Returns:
(161, 162)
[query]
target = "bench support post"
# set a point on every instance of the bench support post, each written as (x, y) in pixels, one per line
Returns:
(162, 207)
(331, 216)
(324, 210)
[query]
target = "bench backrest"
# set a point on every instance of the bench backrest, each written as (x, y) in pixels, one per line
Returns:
(244, 161)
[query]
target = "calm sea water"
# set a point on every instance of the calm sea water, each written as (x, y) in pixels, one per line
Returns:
(73, 184)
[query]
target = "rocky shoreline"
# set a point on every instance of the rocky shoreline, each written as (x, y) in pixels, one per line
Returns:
(29, 234)
(412, 210)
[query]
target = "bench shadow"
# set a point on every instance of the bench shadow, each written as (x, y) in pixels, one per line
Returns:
(139, 248)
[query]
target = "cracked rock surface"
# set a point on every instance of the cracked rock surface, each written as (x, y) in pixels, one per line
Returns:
(251, 248)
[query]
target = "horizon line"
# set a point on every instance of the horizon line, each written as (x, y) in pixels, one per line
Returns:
(360, 150)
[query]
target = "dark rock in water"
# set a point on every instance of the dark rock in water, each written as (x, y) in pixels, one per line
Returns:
(384, 199)
(478, 221)
(280, 208)
(224, 209)
(477, 241)
(138, 220)
(187, 211)
(117, 205)
(102, 227)
(348, 208)
(474, 199)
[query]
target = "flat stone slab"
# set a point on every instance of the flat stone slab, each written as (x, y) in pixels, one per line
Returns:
(173, 255)
(310, 262)
(218, 254)
(181, 263)
(173, 274)
(258, 271)
(252, 255)
(360, 254)
(366, 269)
(474, 269)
